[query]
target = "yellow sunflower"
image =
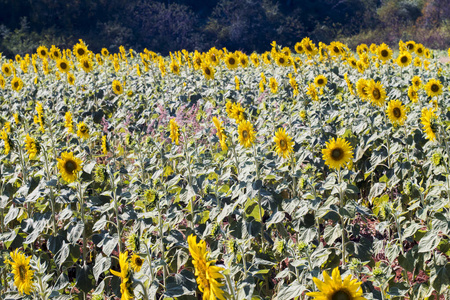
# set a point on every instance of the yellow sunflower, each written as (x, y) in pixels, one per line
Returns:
(125, 277)
(337, 153)
(16, 84)
(136, 262)
(31, 147)
(273, 85)
(384, 52)
(42, 51)
(410, 46)
(284, 143)
(63, 65)
(117, 87)
(231, 61)
(281, 59)
(7, 69)
(396, 112)
(86, 64)
(55, 52)
(5, 138)
(83, 131)
(23, 276)
(2, 82)
(208, 275)
(420, 49)
(80, 50)
(174, 134)
(417, 83)
(428, 121)
(312, 92)
(246, 134)
(404, 59)
(69, 166)
(299, 48)
(104, 145)
(68, 123)
(412, 94)
(220, 131)
(243, 60)
(377, 93)
(237, 112)
(174, 67)
(433, 88)
(320, 81)
(105, 52)
(334, 288)
(208, 71)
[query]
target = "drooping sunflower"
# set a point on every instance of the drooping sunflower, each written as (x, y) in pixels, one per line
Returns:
(104, 145)
(337, 153)
(417, 82)
(7, 145)
(83, 130)
(384, 52)
(208, 71)
(412, 94)
(31, 146)
(283, 143)
(320, 81)
(377, 93)
(16, 84)
(7, 69)
(42, 51)
(69, 166)
(2, 82)
(68, 123)
(208, 275)
(396, 112)
(86, 64)
(237, 112)
(333, 288)
(404, 59)
(23, 276)
(312, 92)
(433, 88)
(117, 87)
(246, 134)
(136, 262)
(63, 65)
(220, 131)
(125, 277)
(174, 134)
(231, 61)
(429, 122)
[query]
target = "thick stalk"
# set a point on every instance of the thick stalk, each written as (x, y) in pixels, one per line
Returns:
(81, 202)
(341, 206)
(259, 200)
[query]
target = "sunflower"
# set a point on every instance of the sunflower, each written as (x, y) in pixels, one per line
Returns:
(299, 48)
(333, 288)
(309, 46)
(410, 46)
(117, 87)
(42, 51)
(80, 50)
(105, 52)
(174, 67)
(384, 52)
(255, 59)
(55, 52)
(125, 277)
(320, 81)
(312, 92)
(281, 59)
(420, 49)
(208, 71)
(6, 141)
(417, 62)
(2, 82)
(246, 134)
(428, 121)
(7, 69)
(404, 59)
(416, 82)
(31, 147)
(396, 112)
(377, 93)
(68, 122)
(237, 83)
(243, 60)
(284, 143)
(433, 88)
(69, 166)
(335, 48)
(83, 131)
(174, 134)
(237, 112)
(63, 65)
(70, 78)
(273, 85)
(136, 262)
(23, 276)
(104, 145)
(412, 94)
(231, 61)
(16, 84)
(207, 273)
(220, 131)
(337, 153)
(86, 64)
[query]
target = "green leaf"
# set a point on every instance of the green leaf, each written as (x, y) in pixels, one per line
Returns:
(332, 233)
(180, 284)
(102, 264)
(291, 291)
(429, 242)
(85, 278)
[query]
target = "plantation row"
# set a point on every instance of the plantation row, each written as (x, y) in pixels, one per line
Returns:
(306, 173)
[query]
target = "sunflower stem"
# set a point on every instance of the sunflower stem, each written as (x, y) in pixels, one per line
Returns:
(341, 206)
(81, 198)
(259, 200)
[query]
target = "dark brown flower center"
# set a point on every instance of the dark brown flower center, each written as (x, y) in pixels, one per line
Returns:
(281, 60)
(22, 272)
(283, 144)
(43, 53)
(320, 81)
(80, 51)
(397, 112)
(138, 261)
(86, 65)
(70, 166)
(309, 48)
(245, 134)
(337, 153)
(410, 46)
(16, 84)
(376, 94)
(435, 88)
(231, 61)
(341, 295)
(207, 71)
(84, 129)
(419, 50)
(384, 53)
(404, 59)
(63, 65)
(336, 49)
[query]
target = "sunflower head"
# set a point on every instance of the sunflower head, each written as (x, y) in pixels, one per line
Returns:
(404, 59)
(208, 71)
(69, 166)
(86, 64)
(42, 51)
(7, 69)
(83, 131)
(23, 276)
(334, 288)
(16, 84)
(384, 52)
(231, 61)
(433, 88)
(63, 65)
(246, 134)
(377, 93)
(283, 143)
(117, 87)
(429, 122)
(320, 81)
(337, 153)
(396, 112)
(136, 262)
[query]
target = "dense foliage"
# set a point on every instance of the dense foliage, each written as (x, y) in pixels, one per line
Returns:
(165, 26)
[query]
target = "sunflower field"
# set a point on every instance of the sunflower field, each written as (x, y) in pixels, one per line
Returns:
(308, 173)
